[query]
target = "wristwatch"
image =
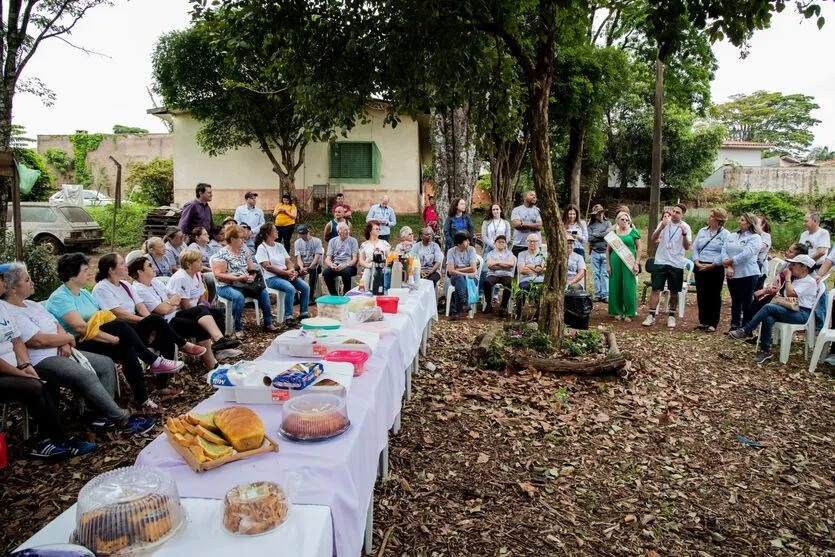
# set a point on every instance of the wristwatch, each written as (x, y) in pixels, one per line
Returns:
(23, 366)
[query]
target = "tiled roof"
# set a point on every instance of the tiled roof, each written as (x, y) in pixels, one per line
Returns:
(746, 144)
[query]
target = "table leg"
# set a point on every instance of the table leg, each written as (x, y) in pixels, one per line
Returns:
(369, 527)
(395, 429)
(409, 369)
(383, 466)
(423, 340)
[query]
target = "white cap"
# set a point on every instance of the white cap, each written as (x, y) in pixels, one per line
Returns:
(802, 258)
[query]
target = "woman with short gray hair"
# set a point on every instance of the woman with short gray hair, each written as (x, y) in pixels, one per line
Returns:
(51, 352)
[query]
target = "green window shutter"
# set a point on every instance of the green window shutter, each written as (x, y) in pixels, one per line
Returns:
(352, 160)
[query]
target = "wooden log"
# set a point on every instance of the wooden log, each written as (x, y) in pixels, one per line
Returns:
(483, 342)
(613, 364)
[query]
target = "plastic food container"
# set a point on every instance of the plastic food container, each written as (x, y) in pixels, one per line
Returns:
(320, 325)
(355, 357)
(314, 417)
(398, 292)
(333, 307)
(388, 303)
(359, 302)
(256, 508)
(128, 510)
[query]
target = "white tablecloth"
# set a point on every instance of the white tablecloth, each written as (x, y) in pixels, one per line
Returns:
(339, 473)
(307, 532)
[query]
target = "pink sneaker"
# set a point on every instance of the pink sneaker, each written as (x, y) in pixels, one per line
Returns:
(166, 366)
(195, 350)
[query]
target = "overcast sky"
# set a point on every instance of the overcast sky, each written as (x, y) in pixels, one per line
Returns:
(95, 92)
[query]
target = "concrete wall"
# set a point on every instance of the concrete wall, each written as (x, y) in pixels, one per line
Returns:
(793, 180)
(738, 157)
(126, 149)
(236, 172)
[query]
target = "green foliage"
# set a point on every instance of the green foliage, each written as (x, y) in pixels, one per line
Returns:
(119, 129)
(45, 186)
(130, 223)
(83, 143)
(494, 358)
(519, 336)
(784, 121)
(39, 259)
(785, 234)
(60, 161)
(777, 207)
(823, 153)
(579, 343)
(154, 180)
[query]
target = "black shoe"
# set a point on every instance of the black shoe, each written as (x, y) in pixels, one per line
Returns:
(502, 313)
(488, 310)
(453, 317)
(753, 341)
(225, 343)
(700, 327)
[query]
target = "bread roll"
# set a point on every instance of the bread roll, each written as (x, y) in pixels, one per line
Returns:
(241, 426)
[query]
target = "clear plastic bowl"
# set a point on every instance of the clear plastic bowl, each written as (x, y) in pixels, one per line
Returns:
(314, 417)
(355, 357)
(128, 510)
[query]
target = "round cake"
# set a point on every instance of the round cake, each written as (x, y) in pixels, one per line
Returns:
(254, 508)
(127, 509)
(314, 416)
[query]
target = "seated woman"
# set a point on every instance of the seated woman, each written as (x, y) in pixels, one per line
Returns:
(174, 245)
(531, 265)
(501, 265)
(198, 322)
(201, 243)
(372, 244)
(154, 249)
(407, 241)
(20, 382)
(80, 315)
(50, 350)
(798, 284)
(233, 268)
(279, 272)
(576, 270)
(461, 263)
(429, 254)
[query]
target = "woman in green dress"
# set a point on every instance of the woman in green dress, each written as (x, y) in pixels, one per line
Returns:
(623, 285)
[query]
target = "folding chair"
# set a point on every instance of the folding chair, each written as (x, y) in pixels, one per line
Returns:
(783, 332)
(451, 291)
(825, 336)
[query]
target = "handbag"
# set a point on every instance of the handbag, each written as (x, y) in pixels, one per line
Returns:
(786, 302)
(472, 291)
(251, 289)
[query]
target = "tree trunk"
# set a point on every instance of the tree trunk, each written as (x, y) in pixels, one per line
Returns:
(655, 183)
(609, 365)
(574, 161)
(6, 97)
(456, 163)
(506, 161)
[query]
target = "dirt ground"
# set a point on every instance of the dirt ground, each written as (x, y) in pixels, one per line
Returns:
(523, 463)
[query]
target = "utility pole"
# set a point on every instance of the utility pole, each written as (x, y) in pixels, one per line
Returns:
(117, 202)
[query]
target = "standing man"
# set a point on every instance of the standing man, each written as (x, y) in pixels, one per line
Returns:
(250, 215)
(197, 211)
(309, 254)
(340, 202)
(383, 214)
(673, 237)
(597, 246)
(526, 221)
(815, 238)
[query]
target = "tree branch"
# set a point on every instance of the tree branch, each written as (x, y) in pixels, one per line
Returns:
(84, 50)
(513, 45)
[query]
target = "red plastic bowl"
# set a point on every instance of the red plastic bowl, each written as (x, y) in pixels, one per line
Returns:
(355, 357)
(388, 303)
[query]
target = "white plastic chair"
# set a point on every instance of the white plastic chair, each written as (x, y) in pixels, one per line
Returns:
(825, 336)
(664, 300)
(227, 306)
(279, 303)
(450, 291)
(774, 265)
(783, 332)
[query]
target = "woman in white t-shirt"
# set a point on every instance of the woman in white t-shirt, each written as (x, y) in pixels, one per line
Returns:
(114, 293)
(280, 273)
(369, 247)
(197, 322)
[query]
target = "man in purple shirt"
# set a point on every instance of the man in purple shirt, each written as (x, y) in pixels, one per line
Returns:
(197, 211)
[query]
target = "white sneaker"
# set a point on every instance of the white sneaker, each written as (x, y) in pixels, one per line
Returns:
(150, 404)
(671, 322)
(649, 321)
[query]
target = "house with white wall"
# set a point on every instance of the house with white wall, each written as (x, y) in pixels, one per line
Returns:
(734, 153)
(375, 159)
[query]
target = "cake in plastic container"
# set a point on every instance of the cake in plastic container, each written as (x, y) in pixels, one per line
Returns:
(128, 511)
(256, 508)
(314, 417)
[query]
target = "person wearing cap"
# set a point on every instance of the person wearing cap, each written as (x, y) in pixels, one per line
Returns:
(197, 211)
(309, 253)
(20, 382)
(286, 214)
(384, 215)
(346, 209)
(250, 215)
(249, 236)
(598, 229)
(739, 257)
(799, 284)
(576, 270)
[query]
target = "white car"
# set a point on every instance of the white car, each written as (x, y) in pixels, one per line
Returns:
(91, 198)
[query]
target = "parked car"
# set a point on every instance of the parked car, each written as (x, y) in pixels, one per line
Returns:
(62, 226)
(91, 198)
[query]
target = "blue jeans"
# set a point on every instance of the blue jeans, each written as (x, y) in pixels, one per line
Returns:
(600, 273)
(771, 314)
(237, 298)
(459, 298)
(288, 288)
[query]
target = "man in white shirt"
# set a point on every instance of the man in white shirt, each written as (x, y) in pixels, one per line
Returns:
(815, 238)
(384, 215)
(250, 215)
(526, 220)
(673, 237)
